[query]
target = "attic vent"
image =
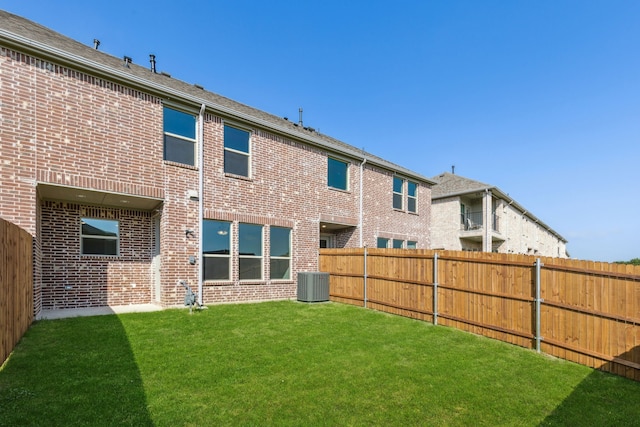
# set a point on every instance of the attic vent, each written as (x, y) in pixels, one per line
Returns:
(164, 73)
(313, 286)
(198, 86)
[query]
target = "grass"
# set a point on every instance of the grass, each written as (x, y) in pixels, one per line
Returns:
(288, 363)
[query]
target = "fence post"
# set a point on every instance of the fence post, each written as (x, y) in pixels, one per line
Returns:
(538, 300)
(435, 288)
(365, 276)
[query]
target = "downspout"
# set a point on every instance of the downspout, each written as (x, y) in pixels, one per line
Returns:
(200, 199)
(364, 160)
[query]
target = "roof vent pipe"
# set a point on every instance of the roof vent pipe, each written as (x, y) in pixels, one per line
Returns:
(152, 60)
(96, 43)
(300, 117)
(127, 61)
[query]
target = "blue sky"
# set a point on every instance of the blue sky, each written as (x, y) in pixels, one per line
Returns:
(539, 98)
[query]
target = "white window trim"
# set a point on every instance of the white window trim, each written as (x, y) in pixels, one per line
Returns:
(228, 256)
(415, 198)
(386, 238)
(261, 257)
(347, 175)
(229, 269)
(282, 257)
(248, 154)
(93, 236)
(195, 141)
(401, 192)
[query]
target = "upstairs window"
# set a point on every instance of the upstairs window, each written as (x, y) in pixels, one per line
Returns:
(237, 153)
(216, 250)
(179, 136)
(398, 192)
(412, 199)
(250, 251)
(337, 174)
(280, 241)
(99, 237)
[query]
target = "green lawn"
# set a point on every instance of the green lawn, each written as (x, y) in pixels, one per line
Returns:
(289, 363)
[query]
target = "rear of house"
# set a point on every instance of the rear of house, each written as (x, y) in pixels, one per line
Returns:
(131, 181)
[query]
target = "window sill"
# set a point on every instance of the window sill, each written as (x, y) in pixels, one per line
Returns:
(406, 212)
(180, 165)
(240, 177)
(340, 190)
(98, 256)
(252, 282)
(256, 282)
(217, 283)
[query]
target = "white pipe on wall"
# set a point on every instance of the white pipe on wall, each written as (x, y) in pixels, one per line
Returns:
(200, 199)
(364, 160)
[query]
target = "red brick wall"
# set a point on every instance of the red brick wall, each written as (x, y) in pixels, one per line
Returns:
(17, 156)
(71, 280)
(69, 128)
(381, 220)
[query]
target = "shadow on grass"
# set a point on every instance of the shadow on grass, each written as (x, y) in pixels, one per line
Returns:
(59, 374)
(591, 401)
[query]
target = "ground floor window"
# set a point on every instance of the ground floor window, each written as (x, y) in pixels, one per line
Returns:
(99, 236)
(216, 250)
(280, 252)
(398, 244)
(411, 244)
(250, 251)
(383, 242)
(236, 251)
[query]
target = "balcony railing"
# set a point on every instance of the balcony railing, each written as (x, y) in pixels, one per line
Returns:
(474, 221)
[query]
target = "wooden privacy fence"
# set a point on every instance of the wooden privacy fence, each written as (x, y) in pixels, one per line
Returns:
(582, 311)
(16, 286)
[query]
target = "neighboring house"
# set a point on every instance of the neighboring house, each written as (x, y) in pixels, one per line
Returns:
(472, 216)
(131, 181)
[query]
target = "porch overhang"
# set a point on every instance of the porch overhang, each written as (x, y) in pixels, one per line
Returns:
(96, 197)
(332, 223)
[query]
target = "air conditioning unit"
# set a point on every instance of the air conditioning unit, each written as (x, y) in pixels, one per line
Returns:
(313, 286)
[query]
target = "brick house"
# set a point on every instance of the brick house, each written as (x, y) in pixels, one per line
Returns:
(131, 181)
(462, 208)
